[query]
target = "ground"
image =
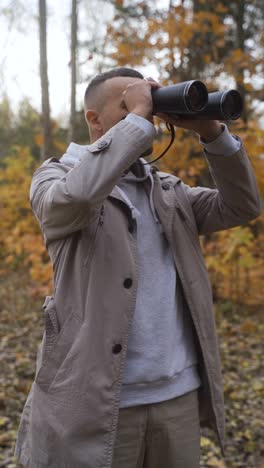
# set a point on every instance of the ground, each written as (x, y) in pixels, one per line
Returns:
(241, 342)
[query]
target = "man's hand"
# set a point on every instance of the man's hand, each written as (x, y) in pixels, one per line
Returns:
(208, 130)
(138, 99)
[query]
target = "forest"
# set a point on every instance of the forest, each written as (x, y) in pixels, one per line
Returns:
(220, 43)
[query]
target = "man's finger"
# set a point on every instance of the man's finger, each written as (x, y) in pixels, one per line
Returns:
(151, 79)
(154, 83)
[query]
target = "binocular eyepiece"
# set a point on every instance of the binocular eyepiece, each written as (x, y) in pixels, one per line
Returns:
(190, 100)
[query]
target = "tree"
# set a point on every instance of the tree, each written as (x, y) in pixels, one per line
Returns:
(89, 54)
(73, 65)
(45, 118)
(6, 125)
(93, 42)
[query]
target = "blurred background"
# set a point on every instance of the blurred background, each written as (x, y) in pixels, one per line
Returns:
(49, 50)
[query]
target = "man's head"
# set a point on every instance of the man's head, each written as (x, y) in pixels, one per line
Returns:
(103, 101)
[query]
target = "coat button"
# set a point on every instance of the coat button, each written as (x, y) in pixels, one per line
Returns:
(117, 348)
(128, 283)
(165, 186)
(102, 144)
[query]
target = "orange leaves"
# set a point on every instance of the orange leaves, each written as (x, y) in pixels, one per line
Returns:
(20, 237)
(220, 8)
(237, 62)
(39, 140)
(119, 3)
(248, 327)
(234, 267)
(206, 21)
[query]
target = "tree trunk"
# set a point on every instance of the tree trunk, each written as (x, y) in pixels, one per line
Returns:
(240, 19)
(45, 106)
(74, 26)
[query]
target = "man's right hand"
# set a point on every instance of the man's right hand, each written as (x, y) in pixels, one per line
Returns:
(138, 99)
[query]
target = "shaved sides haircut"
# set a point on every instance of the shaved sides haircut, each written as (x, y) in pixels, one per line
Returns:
(94, 98)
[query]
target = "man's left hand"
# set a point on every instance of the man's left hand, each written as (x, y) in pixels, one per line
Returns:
(208, 130)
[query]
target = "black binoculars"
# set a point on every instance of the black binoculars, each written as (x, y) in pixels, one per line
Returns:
(191, 100)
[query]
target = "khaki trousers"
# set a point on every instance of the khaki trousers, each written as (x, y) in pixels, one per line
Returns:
(159, 435)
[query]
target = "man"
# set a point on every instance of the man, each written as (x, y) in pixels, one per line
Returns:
(128, 366)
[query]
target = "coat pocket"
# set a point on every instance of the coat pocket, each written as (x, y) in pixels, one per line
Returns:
(51, 324)
(56, 343)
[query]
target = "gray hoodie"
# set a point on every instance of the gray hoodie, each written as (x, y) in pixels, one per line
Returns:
(161, 358)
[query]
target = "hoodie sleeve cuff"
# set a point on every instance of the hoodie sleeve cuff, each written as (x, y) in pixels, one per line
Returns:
(142, 123)
(225, 144)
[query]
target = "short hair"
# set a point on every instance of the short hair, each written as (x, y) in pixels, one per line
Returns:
(92, 97)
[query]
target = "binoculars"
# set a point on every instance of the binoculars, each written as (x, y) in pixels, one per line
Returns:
(190, 100)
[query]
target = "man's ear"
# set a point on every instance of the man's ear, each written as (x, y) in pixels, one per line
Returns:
(93, 119)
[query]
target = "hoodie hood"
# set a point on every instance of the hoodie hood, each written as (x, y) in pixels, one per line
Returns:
(131, 178)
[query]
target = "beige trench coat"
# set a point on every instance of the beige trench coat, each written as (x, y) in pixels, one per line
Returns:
(70, 416)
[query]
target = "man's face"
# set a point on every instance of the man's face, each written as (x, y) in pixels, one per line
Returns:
(114, 108)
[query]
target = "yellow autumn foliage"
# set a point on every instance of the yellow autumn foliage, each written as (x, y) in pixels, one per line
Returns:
(20, 238)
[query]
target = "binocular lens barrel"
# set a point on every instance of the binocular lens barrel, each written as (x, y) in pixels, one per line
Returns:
(231, 103)
(222, 105)
(190, 100)
(183, 98)
(196, 97)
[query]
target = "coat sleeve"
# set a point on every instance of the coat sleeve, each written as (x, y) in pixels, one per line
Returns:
(66, 201)
(236, 199)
